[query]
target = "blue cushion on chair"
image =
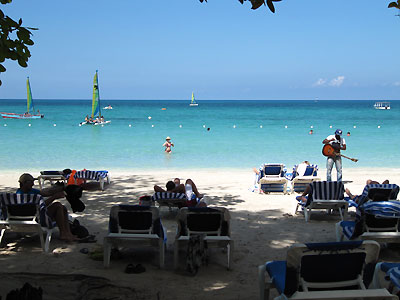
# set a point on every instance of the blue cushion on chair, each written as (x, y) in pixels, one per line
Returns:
(273, 170)
(309, 171)
(348, 228)
(277, 271)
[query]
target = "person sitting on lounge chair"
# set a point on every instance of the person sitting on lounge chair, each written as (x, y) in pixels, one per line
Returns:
(355, 198)
(189, 188)
(55, 210)
(304, 196)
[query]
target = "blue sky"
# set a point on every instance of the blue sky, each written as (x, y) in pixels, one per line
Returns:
(220, 50)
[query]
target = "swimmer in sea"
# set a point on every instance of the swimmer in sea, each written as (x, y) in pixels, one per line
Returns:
(168, 144)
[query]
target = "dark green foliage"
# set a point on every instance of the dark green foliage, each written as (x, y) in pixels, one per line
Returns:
(394, 4)
(14, 40)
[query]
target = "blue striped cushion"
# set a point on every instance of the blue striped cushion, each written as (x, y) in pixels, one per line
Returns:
(364, 196)
(327, 190)
(167, 196)
(13, 198)
(91, 175)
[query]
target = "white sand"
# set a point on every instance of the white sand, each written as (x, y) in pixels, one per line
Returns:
(262, 226)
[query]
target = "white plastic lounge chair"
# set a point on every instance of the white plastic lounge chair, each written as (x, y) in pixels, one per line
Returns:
(212, 223)
(99, 176)
(306, 176)
(327, 195)
(170, 199)
(272, 178)
(387, 275)
(134, 225)
(323, 271)
(26, 213)
(375, 220)
(52, 176)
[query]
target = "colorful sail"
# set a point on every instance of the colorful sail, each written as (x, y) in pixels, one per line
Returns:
(29, 102)
(193, 102)
(96, 98)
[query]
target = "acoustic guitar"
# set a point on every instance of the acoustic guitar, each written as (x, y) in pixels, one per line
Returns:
(329, 151)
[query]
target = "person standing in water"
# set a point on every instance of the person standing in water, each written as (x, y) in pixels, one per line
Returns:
(168, 144)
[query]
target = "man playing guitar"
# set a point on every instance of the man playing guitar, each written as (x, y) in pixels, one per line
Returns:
(338, 143)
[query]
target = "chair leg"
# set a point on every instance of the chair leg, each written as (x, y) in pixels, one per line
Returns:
(176, 254)
(48, 232)
(229, 252)
(162, 253)
(264, 290)
(42, 242)
(106, 253)
(102, 183)
(339, 232)
(3, 230)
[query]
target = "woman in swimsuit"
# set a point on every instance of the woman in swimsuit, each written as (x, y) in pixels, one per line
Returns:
(168, 145)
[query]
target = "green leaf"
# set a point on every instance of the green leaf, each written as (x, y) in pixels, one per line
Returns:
(29, 42)
(256, 3)
(2, 68)
(271, 6)
(23, 34)
(392, 4)
(22, 63)
(0, 82)
(1, 14)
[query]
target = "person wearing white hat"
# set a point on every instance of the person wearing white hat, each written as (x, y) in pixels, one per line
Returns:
(338, 143)
(168, 144)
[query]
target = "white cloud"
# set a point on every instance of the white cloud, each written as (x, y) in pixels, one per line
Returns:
(397, 83)
(320, 82)
(338, 81)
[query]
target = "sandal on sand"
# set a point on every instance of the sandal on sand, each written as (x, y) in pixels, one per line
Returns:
(84, 250)
(88, 239)
(132, 269)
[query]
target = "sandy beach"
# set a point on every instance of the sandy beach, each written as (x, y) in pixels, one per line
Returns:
(263, 226)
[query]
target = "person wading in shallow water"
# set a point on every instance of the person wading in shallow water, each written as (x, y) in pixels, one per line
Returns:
(168, 144)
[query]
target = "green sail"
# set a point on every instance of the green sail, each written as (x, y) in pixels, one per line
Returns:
(29, 102)
(96, 98)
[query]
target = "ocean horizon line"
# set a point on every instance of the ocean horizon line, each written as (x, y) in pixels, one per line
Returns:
(201, 100)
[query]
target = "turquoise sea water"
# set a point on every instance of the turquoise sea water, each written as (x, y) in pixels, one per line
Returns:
(242, 134)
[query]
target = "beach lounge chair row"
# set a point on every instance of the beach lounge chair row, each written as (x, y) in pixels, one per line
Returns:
(337, 270)
(53, 176)
(135, 225)
(274, 178)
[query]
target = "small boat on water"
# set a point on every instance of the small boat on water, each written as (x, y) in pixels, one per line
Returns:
(108, 107)
(193, 102)
(382, 105)
(96, 118)
(30, 109)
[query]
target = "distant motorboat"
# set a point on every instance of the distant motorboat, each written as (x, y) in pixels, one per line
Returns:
(108, 107)
(193, 102)
(382, 105)
(30, 109)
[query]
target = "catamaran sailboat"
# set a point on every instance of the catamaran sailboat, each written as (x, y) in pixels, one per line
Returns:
(30, 109)
(96, 118)
(193, 102)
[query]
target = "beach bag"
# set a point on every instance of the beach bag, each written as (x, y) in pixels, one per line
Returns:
(74, 192)
(77, 229)
(196, 253)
